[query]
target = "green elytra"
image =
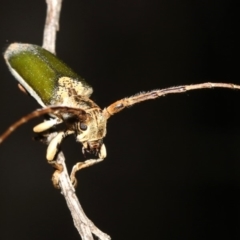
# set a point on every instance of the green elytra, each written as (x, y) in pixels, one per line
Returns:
(39, 71)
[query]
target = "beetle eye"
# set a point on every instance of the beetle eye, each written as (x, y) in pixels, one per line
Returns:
(83, 126)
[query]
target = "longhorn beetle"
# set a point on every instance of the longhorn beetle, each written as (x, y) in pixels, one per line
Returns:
(64, 95)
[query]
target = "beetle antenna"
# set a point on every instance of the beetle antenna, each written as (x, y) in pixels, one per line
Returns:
(80, 113)
(143, 96)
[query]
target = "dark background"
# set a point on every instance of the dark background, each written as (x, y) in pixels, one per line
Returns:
(173, 164)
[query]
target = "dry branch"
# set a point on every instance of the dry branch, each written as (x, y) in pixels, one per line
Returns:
(84, 226)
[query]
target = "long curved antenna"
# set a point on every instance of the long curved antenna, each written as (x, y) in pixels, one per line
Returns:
(79, 113)
(143, 96)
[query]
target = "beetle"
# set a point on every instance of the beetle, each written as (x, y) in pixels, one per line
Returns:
(65, 96)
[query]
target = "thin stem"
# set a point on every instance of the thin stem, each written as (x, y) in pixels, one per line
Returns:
(51, 25)
(84, 226)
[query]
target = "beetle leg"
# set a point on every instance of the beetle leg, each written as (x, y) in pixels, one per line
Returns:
(46, 125)
(54, 146)
(55, 176)
(80, 165)
(52, 149)
(55, 143)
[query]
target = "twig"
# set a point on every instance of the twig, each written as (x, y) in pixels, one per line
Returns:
(51, 25)
(84, 226)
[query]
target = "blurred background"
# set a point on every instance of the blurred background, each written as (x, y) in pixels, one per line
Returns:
(173, 164)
